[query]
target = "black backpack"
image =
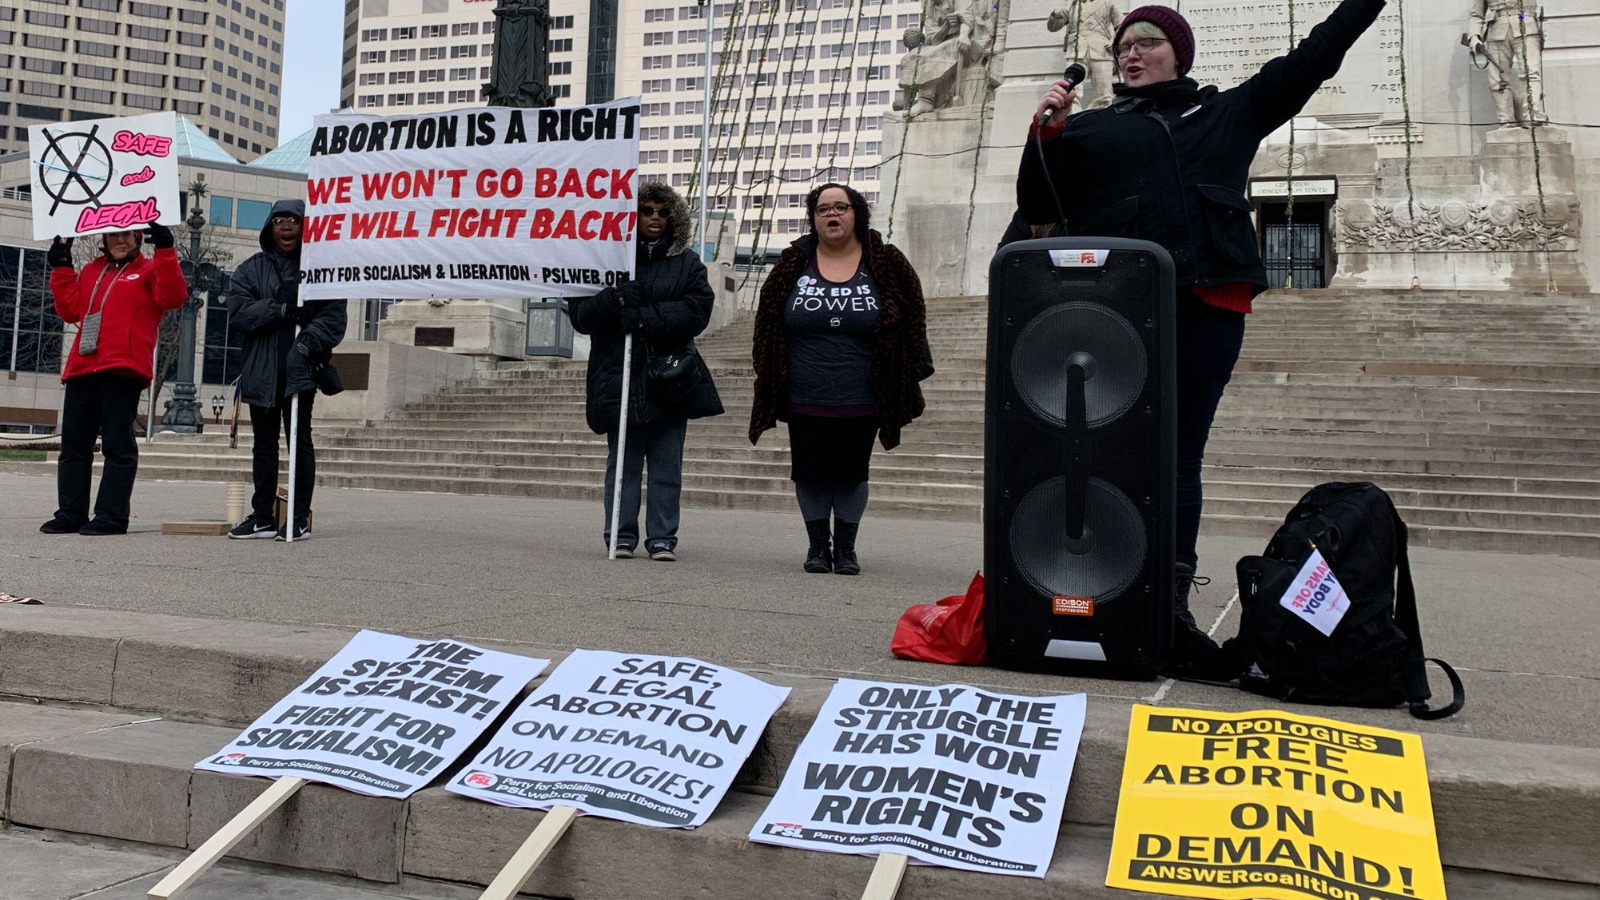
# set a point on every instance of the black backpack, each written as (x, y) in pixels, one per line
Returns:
(1374, 655)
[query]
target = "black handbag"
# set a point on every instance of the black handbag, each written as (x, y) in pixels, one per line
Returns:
(672, 377)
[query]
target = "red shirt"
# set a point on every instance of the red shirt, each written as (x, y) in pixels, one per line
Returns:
(131, 300)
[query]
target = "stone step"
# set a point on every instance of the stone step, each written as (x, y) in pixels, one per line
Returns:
(1461, 498)
(1435, 517)
(63, 760)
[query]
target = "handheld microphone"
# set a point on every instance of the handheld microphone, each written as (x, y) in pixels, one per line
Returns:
(1073, 77)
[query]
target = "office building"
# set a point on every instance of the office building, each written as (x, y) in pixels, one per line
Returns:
(217, 62)
(802, 87)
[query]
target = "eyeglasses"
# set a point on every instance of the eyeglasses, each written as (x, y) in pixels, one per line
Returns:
(1143, 45)
(646, 211)
(834, 209)
(285, 220)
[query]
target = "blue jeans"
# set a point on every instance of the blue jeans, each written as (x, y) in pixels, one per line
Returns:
(1209, 339)
(658, 445)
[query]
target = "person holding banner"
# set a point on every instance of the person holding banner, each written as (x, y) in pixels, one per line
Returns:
(1167, 162)
(666, 305)
(284, 340)
(840, 346)
(117, 302)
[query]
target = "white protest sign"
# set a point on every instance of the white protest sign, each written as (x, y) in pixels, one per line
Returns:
(1316, 596)
(474, 203)
(654, 740)
(950, 776)
(103, 175)
(382, 717)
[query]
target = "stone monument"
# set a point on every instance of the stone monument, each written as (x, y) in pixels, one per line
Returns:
(944, 67)
(487, 329)
(1508, 36)
(1450, 196)
(1091, 26)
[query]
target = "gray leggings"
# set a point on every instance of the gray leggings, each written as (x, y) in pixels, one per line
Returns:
(847, 502)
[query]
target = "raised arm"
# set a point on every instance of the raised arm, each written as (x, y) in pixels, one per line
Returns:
(1284, 85)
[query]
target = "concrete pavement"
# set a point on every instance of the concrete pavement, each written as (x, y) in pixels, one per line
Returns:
(533, 573)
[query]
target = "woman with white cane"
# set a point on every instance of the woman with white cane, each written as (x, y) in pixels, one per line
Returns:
(646, 328)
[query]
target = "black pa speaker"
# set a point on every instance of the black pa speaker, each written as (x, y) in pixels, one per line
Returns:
(1080, 450)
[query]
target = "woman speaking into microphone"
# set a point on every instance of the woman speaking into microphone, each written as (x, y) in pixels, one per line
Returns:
(1167, 162)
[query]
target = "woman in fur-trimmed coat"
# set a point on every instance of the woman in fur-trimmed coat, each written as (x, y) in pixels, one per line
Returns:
(840, 345)
(666, 305)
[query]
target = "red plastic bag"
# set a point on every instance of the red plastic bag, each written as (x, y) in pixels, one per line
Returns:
(949, 632)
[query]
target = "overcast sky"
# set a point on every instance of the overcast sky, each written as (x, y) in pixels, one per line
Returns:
(313, 42)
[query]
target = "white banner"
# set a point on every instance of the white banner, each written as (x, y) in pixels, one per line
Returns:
(654, 740)
(382, 717)
(103, 175)
(473, 203)
(949, 776)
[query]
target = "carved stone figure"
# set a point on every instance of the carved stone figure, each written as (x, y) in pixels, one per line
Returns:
(1501, 225)
(1090, 25)
(1509, 34)
(521, 55)
(945, 67)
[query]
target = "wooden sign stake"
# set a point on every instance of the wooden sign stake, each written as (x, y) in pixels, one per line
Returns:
(886, 877)
(226, 838)
(532, 852)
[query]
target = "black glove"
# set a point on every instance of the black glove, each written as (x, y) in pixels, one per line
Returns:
(303, 346)
(288, 293)
(303, 314)
(627, 294)
(629, 320)
(60, 253)
(161, 237)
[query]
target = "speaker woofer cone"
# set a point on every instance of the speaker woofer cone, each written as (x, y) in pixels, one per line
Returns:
(1106, 346)
(1102, 564)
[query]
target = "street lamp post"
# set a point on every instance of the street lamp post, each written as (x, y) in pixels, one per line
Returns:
(183, 415)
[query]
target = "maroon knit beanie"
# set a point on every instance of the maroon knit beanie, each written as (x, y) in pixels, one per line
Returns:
(1173, 24)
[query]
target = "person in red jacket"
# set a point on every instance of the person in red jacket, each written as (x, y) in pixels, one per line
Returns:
(117, 301)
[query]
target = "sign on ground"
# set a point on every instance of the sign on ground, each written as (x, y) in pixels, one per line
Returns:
(383, 717)
(654, 740)
(950, 776)
(1269, 804)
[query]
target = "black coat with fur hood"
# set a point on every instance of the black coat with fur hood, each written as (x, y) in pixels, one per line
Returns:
(675, 300)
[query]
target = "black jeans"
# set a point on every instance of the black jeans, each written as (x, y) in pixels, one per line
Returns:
(100, 405)
(1209, 339)
(267, 422)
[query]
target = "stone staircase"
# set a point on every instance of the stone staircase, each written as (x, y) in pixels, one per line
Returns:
(1479, 412)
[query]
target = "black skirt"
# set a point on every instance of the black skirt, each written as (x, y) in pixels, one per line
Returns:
(832, 450)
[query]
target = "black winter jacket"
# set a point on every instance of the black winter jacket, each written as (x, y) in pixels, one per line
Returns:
(260, 301)
(1168, 162)
(675, 306)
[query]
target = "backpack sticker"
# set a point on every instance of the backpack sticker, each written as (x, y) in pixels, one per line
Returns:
(1316, 596)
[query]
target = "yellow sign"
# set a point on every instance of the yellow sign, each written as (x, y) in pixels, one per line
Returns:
(1267, 804)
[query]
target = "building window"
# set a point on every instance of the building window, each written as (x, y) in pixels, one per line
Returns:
(37, 332)
(139, 54)
(146, 33)
(224, 347)
(150, 10)
(221, 210)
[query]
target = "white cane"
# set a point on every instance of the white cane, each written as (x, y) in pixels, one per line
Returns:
(294, 445)
(622, 440)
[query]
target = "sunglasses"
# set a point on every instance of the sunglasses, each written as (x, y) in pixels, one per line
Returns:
(646, 211)
(285, 220)
(834, 209)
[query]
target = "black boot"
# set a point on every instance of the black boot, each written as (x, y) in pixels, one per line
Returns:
(819, 559)
(1194, 654)
(844, 548)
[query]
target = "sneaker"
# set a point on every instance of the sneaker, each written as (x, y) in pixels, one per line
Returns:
(58, 525)
(301, 531)
(100, 527)
(663, 554)
(252, 528)
(623, 552)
